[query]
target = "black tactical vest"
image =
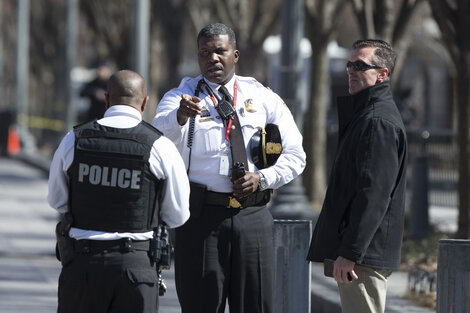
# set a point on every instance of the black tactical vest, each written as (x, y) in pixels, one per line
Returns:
(111, 186)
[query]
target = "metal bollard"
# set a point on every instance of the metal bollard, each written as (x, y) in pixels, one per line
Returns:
(453, 276)
(419, 217)
(292, 271)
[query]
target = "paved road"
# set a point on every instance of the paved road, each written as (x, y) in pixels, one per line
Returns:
(28, 268)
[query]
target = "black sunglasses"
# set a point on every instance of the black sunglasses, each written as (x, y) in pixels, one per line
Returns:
(360, 66)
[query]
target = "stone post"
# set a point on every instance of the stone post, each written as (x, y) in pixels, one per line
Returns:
(453, 276)
(292, 271)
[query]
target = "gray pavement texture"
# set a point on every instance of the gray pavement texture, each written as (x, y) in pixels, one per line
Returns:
(29, 270)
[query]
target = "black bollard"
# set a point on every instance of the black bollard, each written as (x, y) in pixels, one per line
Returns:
(292, 271)
(419, 217)
(453, 276)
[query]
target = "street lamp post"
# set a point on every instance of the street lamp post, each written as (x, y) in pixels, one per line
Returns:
(141, 43)
(70, 56)
(22, 66)
(290, 201)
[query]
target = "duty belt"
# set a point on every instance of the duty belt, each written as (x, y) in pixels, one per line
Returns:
(123, 245)
(227, 200)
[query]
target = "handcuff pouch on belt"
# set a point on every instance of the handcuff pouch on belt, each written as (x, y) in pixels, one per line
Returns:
(258, 198)
(255, 199)
(65, 251)
(160, 247)
(160, 253)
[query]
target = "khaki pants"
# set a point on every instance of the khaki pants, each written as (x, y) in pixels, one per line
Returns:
(366, 294)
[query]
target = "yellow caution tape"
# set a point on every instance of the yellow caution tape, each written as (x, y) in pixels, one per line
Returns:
(41, 122)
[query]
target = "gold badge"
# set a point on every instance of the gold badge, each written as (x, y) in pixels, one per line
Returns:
(205, 111)
(202, 120)
(273, 148)
(234, 204)
(250, 106)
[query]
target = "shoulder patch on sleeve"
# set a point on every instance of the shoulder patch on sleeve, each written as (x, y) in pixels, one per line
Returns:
(278, 97)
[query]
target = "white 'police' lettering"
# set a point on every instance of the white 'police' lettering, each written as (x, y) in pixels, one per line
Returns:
(97, 175)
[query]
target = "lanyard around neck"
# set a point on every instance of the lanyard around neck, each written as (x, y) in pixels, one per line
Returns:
(228, 127)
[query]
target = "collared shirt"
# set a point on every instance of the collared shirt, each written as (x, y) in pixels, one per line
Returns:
(165, 163)
(256, 106)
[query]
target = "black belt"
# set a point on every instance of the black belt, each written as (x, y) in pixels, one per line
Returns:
(227, 200)
(123, 245)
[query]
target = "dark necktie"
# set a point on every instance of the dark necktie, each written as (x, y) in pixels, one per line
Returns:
(237, 144)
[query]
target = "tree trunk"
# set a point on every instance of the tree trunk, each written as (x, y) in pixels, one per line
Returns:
(252, 62)
(171, 13)
(321, 22)
(315, 125)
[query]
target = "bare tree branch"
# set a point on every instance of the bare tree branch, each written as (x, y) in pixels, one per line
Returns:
(270, 20)
(199, 13)
(384, 18)
(364, 13)
(407, 11)
(321, 22)
(369, 18)
(224, 12)
(444, 16)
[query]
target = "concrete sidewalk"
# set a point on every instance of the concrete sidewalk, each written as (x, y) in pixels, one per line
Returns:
(29, 270)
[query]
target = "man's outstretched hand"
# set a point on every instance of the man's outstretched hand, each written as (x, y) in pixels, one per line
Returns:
(188, 108)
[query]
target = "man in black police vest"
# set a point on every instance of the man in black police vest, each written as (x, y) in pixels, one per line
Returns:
(115, 180)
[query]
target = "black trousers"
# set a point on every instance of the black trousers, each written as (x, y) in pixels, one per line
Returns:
(109, 282)
(225, 254)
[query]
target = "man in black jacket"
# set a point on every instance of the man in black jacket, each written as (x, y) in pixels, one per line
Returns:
(361, 224)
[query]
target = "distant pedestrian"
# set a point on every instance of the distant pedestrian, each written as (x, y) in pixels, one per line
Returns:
(116, 180)
(95, 91)
(361, 223)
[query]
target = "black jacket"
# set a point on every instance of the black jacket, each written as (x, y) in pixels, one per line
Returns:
(362, 218)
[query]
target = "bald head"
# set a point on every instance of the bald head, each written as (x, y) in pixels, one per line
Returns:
(127, 87)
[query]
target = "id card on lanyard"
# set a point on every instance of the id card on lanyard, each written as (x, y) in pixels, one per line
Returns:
(224, 162)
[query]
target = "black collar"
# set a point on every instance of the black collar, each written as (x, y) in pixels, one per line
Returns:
(349, 106)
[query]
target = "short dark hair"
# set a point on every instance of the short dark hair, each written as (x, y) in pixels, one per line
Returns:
(384, 56)
(218, 29)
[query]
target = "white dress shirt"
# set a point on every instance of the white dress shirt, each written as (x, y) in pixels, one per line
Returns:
(165, 163)
(256, 106)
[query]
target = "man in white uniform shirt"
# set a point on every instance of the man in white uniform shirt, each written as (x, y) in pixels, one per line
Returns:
(225, 250)
(116, 179)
